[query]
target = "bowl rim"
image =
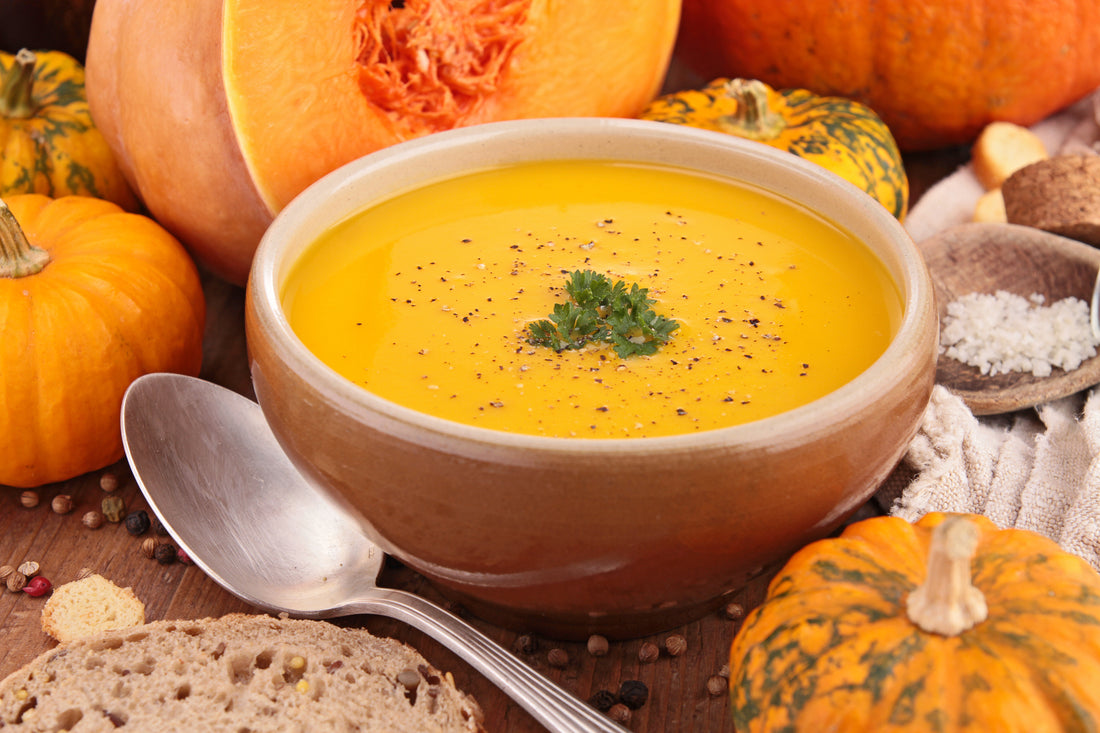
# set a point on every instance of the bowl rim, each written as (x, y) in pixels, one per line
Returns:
(338, 190)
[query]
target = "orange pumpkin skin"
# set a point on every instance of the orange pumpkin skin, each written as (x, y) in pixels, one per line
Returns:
(241, 104)
(936, 71)
(120, 297)
(832, 648)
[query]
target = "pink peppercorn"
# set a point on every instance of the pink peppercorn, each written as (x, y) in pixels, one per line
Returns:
(37, 586)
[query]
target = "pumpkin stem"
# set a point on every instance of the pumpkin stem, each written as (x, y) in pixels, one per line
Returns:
(948, 603)
(16, 92)
(753, 119)
(18, 257)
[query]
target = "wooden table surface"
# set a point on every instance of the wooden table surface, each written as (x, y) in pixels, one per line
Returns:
(678, 701)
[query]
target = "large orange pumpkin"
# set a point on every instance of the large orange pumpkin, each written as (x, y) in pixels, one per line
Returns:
(221, 111)
(935, 71)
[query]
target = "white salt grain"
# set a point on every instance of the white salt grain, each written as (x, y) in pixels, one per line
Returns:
(1004, 332)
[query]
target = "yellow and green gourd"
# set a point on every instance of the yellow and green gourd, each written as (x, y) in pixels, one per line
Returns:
(839, 134)
(48, 141)
(946, 625)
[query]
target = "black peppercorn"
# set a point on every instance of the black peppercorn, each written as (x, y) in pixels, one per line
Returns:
(602, 700)
(137, 523)
(165, 553)
(633, 693)
(159, 529)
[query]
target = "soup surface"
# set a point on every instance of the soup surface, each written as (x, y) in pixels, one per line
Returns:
(425, 300)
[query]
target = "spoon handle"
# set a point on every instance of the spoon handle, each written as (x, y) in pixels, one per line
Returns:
(547, 702)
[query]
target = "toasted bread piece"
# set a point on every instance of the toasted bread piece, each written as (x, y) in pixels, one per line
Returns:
(89, 605)
(1003, 148)
(990, 206)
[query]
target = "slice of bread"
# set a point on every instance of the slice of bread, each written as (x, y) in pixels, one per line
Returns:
(89, 605)
(1002, 148)
(239, 672)
(990, 206)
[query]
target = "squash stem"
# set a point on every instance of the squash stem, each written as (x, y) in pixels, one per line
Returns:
(16, 92)
(754, 118)
(18, 257)
(947, 602)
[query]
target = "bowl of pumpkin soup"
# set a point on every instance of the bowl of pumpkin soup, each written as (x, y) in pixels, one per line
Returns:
(591, 375)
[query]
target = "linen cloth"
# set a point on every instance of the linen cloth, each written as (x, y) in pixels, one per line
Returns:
(1035, 469)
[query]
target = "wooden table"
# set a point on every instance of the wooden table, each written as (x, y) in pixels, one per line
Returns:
(678, 701)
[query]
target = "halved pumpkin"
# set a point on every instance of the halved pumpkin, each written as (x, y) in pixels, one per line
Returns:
(221, 111)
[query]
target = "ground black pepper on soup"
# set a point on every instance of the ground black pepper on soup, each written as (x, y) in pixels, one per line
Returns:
(427, 299)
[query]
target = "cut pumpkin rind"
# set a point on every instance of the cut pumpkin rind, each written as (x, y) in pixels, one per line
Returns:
(267, 96)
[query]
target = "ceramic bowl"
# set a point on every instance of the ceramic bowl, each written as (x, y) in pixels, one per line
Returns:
(572, 536)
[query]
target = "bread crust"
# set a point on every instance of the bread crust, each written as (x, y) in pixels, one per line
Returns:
(1003, 148)
(1059, 195)
(237, 672)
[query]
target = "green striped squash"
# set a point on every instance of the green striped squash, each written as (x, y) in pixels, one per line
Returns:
(48, 141)
(945, 625)
(839, 134)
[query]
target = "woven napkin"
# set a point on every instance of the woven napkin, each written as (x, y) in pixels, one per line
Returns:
(1036, 470)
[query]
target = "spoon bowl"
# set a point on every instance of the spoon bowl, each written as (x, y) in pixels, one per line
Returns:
(217, 479)
(986, 257)
(242, 511)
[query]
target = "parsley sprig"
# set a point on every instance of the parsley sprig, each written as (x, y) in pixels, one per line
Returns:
(602, 311)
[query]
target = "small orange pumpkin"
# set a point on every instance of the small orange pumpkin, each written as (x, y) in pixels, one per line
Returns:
(91, 297)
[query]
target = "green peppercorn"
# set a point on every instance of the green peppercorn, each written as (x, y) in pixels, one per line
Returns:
(137, 523)
(114, 508)
(633, 693)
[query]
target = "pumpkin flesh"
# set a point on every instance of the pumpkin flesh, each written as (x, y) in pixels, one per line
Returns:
(118, 298)
(831, 648)
(265, 117)
(936, 72)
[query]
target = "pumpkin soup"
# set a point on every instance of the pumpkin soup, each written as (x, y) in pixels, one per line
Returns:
(427, 299)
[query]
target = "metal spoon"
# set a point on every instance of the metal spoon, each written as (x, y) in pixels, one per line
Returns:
(215, 476)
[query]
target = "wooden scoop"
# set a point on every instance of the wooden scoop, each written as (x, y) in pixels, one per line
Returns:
(985, 258)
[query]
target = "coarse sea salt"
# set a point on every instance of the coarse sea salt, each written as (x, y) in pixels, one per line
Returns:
(1004, 332)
